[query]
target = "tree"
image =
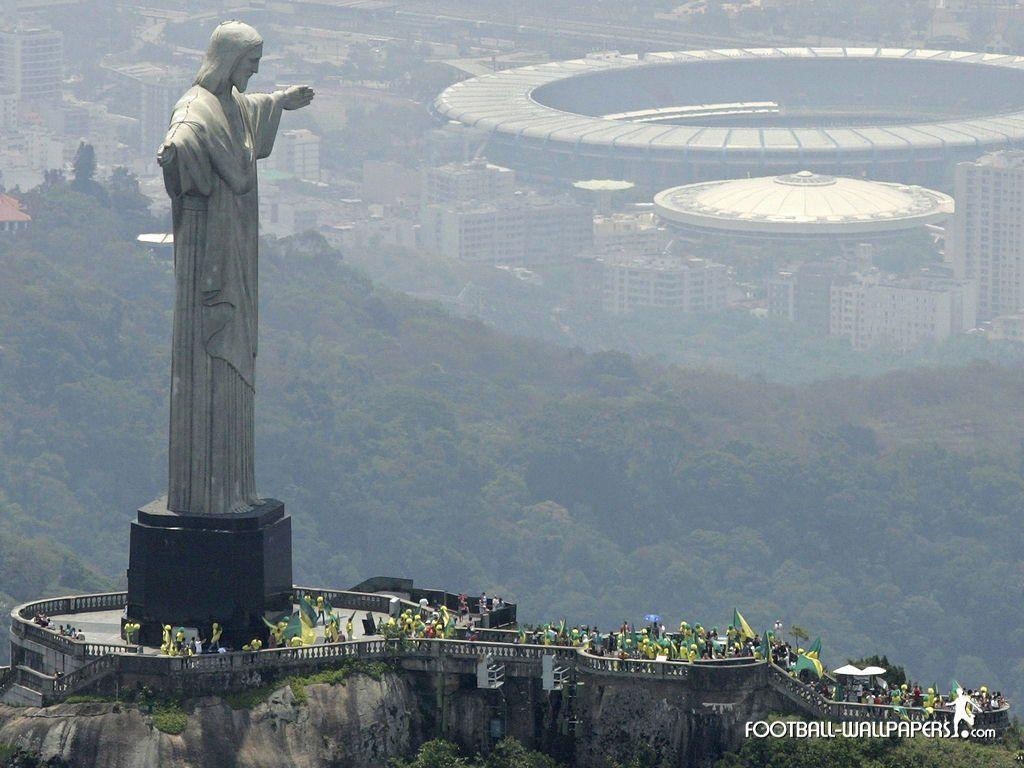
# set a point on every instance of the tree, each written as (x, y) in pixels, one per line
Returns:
(84, 167)
(53, 178)
(798, 633)
(434, 754)
(894, 675)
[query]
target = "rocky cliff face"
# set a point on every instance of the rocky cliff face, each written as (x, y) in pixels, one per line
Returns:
(360, 723)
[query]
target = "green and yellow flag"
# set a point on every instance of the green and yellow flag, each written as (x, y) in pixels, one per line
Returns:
(307, 611)
(766, 646)
(741, 625)
(294, 628)
(809, 663)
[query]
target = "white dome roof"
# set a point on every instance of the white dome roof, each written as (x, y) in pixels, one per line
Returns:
(803, 203)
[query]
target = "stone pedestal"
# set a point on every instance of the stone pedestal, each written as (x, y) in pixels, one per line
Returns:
(193, 570)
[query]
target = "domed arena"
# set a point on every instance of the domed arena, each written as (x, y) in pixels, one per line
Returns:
(802, 205)
(663, 119)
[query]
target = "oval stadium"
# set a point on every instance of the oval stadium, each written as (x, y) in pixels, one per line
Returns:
(662, 119)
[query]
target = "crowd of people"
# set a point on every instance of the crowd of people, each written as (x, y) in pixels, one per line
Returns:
(862, 691)
(653, 642)
(42, 620)
(175, 642)
(423, 623)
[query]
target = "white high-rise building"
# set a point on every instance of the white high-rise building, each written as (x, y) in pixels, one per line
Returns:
(297, 152)
(32, 64)
(900, 313)
(986, 241)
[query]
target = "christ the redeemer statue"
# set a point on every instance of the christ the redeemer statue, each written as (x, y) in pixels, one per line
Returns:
(216, 135)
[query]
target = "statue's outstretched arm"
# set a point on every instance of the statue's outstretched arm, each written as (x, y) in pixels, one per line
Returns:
(295, 97)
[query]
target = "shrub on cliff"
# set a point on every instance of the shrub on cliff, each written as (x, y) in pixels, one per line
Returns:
(508, 753)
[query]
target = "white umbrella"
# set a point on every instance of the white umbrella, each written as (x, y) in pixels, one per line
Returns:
(849, 669)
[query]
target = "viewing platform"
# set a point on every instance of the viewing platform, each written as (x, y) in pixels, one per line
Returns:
(48, 667)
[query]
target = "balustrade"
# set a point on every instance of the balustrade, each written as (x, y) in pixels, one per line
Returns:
(107, 658)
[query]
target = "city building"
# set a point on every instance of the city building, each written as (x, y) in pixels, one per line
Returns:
(623, 283)
(1010, 327)
(520, 230)
(389, 183)
(986, 240)
(638, 233)
(25, 156)
(801, 207)
(32, 67)
(761, 225)
(149, 92)
(8, 112)
(803, 294)
(471, 182)
(875, 310)
(12, 217)
(297, 153)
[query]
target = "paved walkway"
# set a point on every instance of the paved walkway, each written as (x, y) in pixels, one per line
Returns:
(105, 626)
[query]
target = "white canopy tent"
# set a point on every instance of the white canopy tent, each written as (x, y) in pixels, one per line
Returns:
(850, 671)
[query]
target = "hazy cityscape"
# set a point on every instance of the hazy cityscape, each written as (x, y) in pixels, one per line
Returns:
(372, 171)
(612, 309)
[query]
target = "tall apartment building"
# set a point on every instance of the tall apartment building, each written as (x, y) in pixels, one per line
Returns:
(32, 65)
(986, 240)
(150, 92)
(297, 152)
(900, 313)
(474, 182)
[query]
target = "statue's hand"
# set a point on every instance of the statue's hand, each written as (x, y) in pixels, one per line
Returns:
(296, 97)
(166, 154)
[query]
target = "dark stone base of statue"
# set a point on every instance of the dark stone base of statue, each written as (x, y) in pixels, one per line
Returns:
(193, 570)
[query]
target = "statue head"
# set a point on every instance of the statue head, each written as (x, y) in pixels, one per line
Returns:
(232, 57)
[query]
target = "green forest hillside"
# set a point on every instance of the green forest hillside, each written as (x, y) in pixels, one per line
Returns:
(882, 513)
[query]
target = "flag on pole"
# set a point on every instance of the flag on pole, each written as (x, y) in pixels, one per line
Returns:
(741, 625)
(294, 628)
(809, 663)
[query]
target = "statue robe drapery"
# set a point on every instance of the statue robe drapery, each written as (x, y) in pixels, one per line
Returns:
(212, 185)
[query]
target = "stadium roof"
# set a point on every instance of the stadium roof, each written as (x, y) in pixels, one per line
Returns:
(802, 203)
(503, 102)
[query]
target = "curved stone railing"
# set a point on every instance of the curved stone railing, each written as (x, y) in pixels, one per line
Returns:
(23, 624)
(108, 658)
